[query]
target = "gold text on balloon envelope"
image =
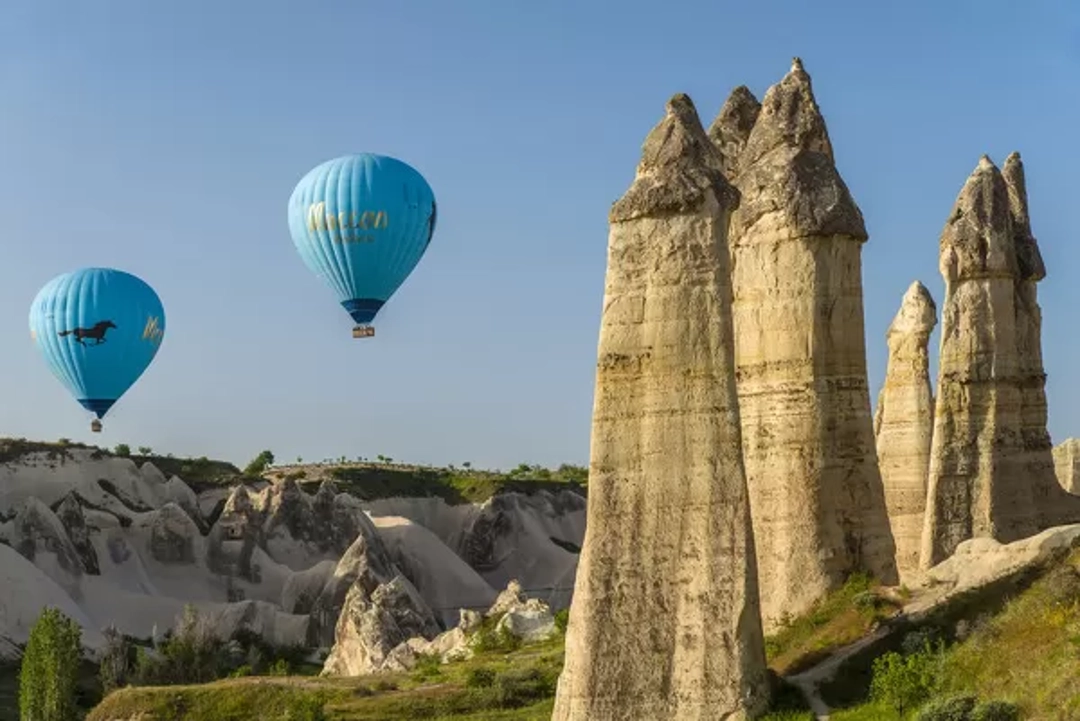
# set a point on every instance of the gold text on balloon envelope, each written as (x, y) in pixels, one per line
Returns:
(319, 219)
(152, 330)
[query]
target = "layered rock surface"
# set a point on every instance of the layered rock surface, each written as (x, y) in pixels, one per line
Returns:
(991, 469)
(668, 544)
(796, 241)
(904, 424)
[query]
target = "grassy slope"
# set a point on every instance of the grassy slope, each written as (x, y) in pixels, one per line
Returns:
(842, 617)
(1028, 654)
(432, 693)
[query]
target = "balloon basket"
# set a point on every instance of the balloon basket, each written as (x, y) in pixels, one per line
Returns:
(363, 331)
(95, 426)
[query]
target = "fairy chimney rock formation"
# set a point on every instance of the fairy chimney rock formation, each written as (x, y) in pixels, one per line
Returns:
(1052, 505)
(904, 424)
(731, 129)
(991, 468)
(668, 546)
(1067, 465)
(808, 440)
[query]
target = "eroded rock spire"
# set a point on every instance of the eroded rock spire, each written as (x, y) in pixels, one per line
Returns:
(731, 128)
(796, 239)
(991, 468)
(904, 424)
(668, 545)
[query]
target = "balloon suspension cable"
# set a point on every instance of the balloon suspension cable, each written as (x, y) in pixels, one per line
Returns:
(95, 426)
(363, 331)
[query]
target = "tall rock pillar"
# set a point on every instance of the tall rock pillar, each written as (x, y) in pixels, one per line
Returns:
(665, 621)
(904, 424)
(1051, 504)
(991, 466)
(815, 488)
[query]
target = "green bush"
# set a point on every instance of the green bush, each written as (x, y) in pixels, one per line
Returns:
(497, 639)
(123, 450)
(955, 708)
(48, 677)
(515, 688)
(902, 682)
(241, 672)
(305, 708)
(481, 677)
(279, 668)
(259, 464)
(427, 666)
(996, 711)
(562, 619)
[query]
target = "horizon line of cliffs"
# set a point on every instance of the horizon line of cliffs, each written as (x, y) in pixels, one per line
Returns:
(736, 472)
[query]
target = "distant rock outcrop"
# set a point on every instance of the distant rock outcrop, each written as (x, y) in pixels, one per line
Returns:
(904, 424)
(70, 514)
(669, 547)
(373, 623)
(1067, 465)
(991, 468)
(815, 488)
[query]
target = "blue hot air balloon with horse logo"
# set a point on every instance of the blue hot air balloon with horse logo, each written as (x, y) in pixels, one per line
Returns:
(98, 329)
(362, 223)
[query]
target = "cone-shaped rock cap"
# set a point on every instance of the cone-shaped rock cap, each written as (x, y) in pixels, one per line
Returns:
(787, 173)
(679, 167)
(731, 128)
(1028, 257)
(917, 314)
(977, 240)
(789, 117)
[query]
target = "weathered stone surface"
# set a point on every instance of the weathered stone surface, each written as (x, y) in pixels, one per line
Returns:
(366, 564)
(668, 544)
(373, 623)
(904, 424)
(991, 468)
(1067, 464)
(815, 488)
(70, 514)
(172, 535)
(1054, 507)
(731, 129)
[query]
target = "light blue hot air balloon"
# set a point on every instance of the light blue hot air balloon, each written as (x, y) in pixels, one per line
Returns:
(362, 222)
(98, 329)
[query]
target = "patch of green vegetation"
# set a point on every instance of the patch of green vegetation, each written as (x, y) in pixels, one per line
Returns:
(493, 685)
(13, 450)
(841, 618)
(1021, 663)
(372, 481)
(200, 474)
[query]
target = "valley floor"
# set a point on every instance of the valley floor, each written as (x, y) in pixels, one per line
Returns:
(1019, 645)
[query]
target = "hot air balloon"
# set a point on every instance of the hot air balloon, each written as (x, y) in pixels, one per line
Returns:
(362, 223)
(98, 329)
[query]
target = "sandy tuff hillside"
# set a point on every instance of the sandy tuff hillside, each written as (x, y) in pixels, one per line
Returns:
(114, 541)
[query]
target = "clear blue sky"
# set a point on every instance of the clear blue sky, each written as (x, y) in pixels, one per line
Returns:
(165, 139)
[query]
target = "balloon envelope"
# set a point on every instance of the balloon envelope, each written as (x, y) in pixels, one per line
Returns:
(98, 329)
(362, 223)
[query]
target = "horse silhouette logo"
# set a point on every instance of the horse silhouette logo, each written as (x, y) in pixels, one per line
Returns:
(95, 333)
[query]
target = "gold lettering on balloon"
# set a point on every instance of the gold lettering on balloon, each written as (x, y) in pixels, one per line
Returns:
(152, 330)
(318, 219)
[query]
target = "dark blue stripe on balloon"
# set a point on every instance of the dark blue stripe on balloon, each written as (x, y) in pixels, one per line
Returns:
(98, 406)
(362, 310)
